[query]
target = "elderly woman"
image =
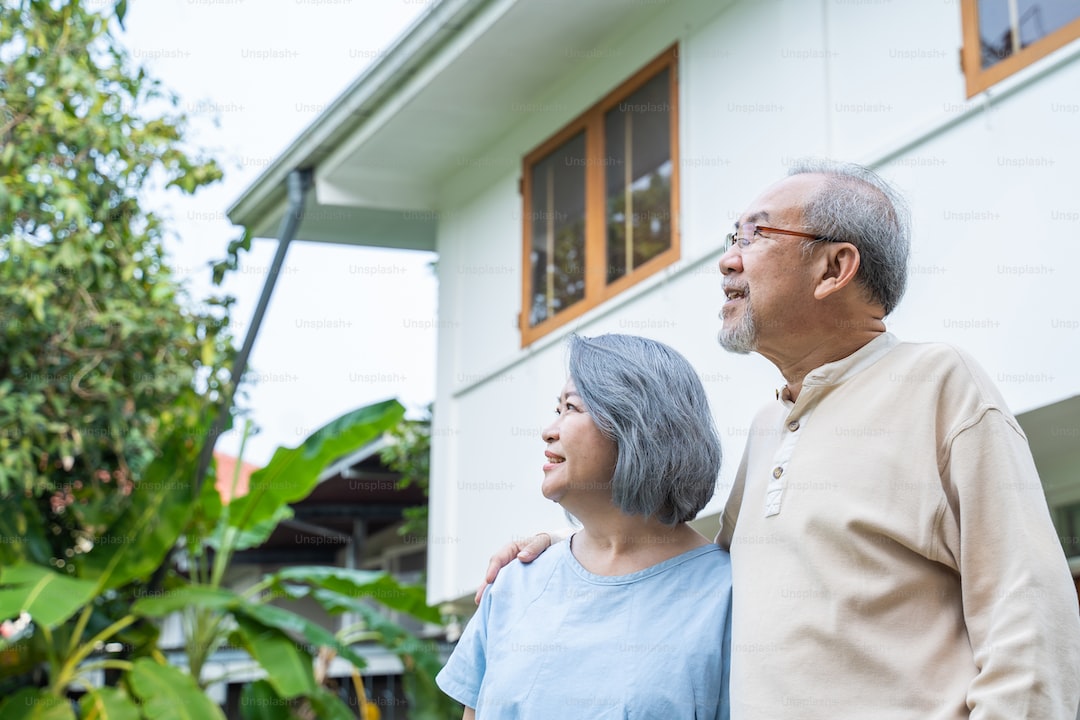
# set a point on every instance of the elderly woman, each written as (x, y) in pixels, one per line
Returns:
(630, 615)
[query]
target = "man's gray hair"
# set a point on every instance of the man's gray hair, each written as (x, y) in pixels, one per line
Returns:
(859, 207)
(648, 399)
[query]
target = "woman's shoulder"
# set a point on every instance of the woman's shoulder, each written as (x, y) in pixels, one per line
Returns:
(536, 573)
(709, 555)
(706, 569)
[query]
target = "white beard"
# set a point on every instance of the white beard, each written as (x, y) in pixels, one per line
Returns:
(741, 338)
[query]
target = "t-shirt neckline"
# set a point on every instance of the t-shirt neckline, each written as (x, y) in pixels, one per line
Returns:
(639, 575)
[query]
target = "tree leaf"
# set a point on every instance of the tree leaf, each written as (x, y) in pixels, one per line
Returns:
(141, 538)
(288, 668)
(194, 596)
(328, 706)
(168, 693)
(421, 658)
(35, 704)
(258, 701)
(207, 513)
(49, 597)
(296, 625)
(108, 703)
(392, 636)
(120, 10)
(292, 473)
(253, 536)
(378, 586)
(21, 524)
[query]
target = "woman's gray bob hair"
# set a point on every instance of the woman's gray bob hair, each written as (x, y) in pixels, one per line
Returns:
(648, 399)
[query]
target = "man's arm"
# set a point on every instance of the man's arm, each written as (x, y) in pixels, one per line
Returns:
(1019, 602)
(732, 505)
(469, 714)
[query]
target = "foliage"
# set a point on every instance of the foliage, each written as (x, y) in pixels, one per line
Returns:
(409, 454)
(285, 643)
(100, 348)
(110, 377)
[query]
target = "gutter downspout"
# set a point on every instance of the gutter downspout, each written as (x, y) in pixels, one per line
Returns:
(298, 183)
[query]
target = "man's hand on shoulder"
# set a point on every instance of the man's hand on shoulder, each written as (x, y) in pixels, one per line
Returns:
(525, 550)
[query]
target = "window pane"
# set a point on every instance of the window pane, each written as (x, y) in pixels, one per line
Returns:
(557, 222)
(1008, 26)
(637, 170)
(1069, 529)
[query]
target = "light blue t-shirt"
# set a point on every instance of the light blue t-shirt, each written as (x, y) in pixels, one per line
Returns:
(552, 640)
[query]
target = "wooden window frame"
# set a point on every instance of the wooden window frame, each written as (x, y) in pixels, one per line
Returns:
(978, 79)
(597, 289)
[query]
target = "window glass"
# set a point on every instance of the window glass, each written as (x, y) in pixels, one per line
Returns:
(637, 170)
(1070, 529)
(557, 222)
(1008, 26)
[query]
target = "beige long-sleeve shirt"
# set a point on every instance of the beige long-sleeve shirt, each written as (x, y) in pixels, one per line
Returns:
(892, 552)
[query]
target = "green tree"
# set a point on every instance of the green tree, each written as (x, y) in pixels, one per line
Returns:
(105, 362)
(99, 343)
(110, 376)
(408, 452)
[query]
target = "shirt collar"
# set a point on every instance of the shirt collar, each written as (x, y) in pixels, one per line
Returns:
(841, 370)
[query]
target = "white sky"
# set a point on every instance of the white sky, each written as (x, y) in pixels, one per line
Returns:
(245, 108)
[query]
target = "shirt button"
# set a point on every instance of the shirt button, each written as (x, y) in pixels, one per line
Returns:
(793, 425)
(777, 471)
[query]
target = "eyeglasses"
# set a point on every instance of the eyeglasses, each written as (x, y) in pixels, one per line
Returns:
(756, 230)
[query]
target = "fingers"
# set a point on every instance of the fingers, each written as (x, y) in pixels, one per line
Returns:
(525, 551)
(533, 546)
(479, 594)
(498, 561)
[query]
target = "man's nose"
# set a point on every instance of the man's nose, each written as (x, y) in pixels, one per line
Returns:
(731, 261)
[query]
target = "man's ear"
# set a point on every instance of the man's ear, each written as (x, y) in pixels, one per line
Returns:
(840, 263)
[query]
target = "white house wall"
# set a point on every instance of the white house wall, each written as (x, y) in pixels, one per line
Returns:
(996, 244)
(996, 217)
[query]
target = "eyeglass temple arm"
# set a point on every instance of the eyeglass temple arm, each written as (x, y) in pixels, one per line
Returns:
(766, 228)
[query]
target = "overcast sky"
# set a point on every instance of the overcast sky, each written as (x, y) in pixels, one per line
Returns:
(251, 75)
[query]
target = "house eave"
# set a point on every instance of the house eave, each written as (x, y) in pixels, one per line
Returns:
(467, 73)
(262, 203)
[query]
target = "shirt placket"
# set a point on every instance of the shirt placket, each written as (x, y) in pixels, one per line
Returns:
(793, 423)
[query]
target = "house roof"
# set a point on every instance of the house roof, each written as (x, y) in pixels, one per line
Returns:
(358, 487)
(465, 73)
(226, 469)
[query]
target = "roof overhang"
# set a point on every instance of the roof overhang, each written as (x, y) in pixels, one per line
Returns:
(465, 73)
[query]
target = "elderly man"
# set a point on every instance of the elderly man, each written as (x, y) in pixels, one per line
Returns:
(892, 553)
